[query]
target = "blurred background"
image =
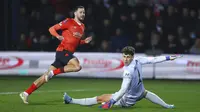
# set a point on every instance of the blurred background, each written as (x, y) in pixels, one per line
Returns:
(167, 26)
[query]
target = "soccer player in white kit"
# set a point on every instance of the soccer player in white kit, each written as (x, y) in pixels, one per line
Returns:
(132, 88)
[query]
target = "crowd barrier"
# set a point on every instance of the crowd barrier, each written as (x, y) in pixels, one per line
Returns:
(98, 65)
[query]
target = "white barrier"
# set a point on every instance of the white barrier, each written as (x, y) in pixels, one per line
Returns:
(187, 67)
(101, 65)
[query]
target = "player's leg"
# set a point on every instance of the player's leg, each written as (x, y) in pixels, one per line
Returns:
(73, 65)
(40, 81)
(156, 99)
(87, 101)
(104, 98)
(69, 61)
(34, 86)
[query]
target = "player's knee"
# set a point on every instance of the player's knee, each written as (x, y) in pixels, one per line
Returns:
(102, 98)
(99, 99)
(78, 68)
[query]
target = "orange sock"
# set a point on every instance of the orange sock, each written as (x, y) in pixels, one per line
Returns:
(58, 71)
(32, 88)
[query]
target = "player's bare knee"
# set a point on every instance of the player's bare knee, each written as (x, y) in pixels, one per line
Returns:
(103, 98)
(77, 68)
(99, 99)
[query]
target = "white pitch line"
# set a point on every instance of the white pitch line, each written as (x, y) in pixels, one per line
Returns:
(53, 91)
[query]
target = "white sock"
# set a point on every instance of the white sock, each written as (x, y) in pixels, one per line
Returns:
(51, 74)
(156, 99)
(25, 93)
(85, 101)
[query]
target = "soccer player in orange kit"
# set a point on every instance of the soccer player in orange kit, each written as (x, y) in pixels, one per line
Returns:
(65, 61)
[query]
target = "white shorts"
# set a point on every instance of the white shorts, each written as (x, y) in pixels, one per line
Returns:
(128, 100)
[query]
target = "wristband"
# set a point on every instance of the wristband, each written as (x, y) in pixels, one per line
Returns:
(167, 57)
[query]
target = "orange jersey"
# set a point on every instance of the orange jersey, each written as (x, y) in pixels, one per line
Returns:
(72, 33)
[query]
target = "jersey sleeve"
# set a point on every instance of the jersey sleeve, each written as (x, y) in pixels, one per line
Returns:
(127, 77)
(64, 24)
(151, 60)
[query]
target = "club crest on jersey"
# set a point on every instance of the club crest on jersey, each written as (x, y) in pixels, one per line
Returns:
(75, 27)
(77, 34)
(127, 74)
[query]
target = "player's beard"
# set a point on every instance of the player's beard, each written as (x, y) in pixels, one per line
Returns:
(81, 18)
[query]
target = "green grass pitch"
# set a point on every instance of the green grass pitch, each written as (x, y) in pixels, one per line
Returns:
(184, 94)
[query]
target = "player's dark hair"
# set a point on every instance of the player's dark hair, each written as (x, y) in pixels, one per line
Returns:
(77, 7)
(128, 50)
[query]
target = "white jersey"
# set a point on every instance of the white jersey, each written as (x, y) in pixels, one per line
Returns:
(132, 88)
(134, 72)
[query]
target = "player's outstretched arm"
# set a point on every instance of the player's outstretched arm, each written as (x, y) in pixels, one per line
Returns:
(53, 31)
(158, 59)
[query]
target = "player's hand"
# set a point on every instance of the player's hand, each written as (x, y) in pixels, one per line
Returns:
(88, 39)
(60, 37)
(108, 104)
(173, 57)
